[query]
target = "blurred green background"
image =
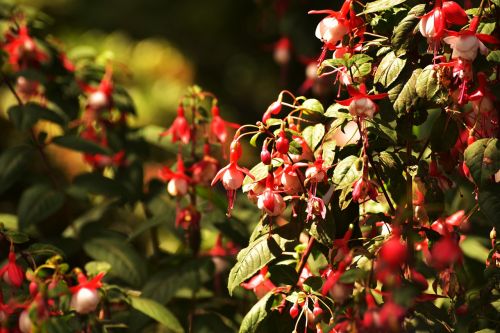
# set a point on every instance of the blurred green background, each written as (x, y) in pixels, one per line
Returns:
(225, 46)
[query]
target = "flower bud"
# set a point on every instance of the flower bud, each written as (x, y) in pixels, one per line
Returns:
(282, 143)
(294, 311)
(265, 155)
(25, 323)
(393, 252)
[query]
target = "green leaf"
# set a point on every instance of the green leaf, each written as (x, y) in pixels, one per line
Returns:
(494, 56)
(405, 96)
(345, 173)
(352, 275)
(37, 203)
(483, 159)
(16, 237)
(313, 135)
(158, 312)
(403, 32)
(44, 250)
(126, 263)
(389, 69)
(259, 171)
(380, 5)
(26, 115)
(489, 202)
(334, 111)
(95, 267)
(252, 258)
(252, 320)
(13, 164)
(311, 106)
(98, 184)
(283, 275)
(427, 83)
(475, 247)
(79, 144)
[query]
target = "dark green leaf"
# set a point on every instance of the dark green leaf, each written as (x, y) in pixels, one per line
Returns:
(283, 275)
(98, 184)
(403, 32)
(389, 69)
(483, 159)
(13, 163)
(252, 258)
(345, 173)
(25, 116)
(156, 311)
(404, 96)
(126, 263)
(79, 144)
(256, 315)
(380, 5)
(353, 275)
(37, 203)
(489, 202)
(427, 83)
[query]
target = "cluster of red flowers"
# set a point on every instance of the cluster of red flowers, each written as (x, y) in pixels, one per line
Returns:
(49, 295)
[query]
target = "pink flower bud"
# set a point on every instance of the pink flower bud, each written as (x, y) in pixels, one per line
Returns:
(394, 252)
(294, 311)
(265, 155)
(98, 100)
(25, 323)
(282, 143)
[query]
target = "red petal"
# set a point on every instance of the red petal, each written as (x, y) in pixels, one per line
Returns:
(487, 39)
(220, 174)
(454, 14)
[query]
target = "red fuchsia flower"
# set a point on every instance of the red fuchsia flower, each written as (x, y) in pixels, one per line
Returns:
(282, 51)
(363, 190)
(85, 295)
(432, 25)
(306, 154)
(265, 155)
(316, 173)
(290, 179)
(205, 170)
(465, 43)
(218, 125)
(179, 129)
(186, 217)
(178, 181)
(232, 175)
(100, 98)
(334, 27)
(361, 104)
(462, 72)
(259, 283)
(391, 316)
(22, 49)
(270, 200)
(315, 207)
(11, 272)
(27, 88)
(443, 182)
(445, 253)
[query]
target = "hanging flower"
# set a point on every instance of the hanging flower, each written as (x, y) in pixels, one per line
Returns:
(205, 170)
(186, 217)
(282, 50)
(232, 175)
(270, 200)
(361, 104)
(22, 49)
(11, 272)
(364, 189)
(178, 181)
(85, 295)
(218, 125)
(334, 27)
(179, 129)
(315, 207)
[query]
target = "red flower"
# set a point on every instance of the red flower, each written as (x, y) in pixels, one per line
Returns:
(100, 98)
(232, 175)
(11, 272)
(364, 189)
(334, 27)
(85, 295)
(270, 200)
(22, 49)
(394, 252)
(180, 128)
(178, 181)
(218, 125)
(273, 109)
(187, 216)
(205, 170)
(260, 283)
(445, 253)
(315, 207)
(282, 51)
(361, 104)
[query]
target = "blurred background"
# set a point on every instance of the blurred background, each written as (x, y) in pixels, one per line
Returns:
(231, 48)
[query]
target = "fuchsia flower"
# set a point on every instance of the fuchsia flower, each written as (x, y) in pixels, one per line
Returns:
(270, 200)
(282, 50)
(11, 272)
(85, 295)
(178, 181)
(179, 129)
(316, 173)
(466, 43)
(100, 98)
(361, 104)
(218, 125)
(232, 175)
(205, 170)
(259, 283)
(364, 189)
(22, 49)
(432, 25)
(315, 207)
(445, 252)
(273, 109)
(394, 252)
(187, 216)
(290, 179)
